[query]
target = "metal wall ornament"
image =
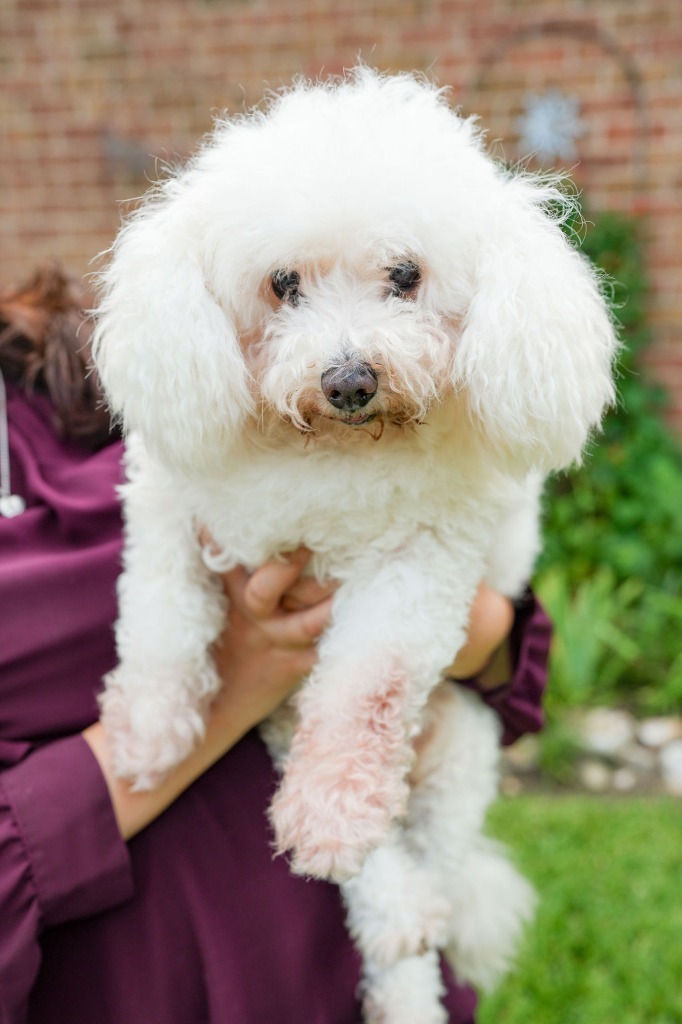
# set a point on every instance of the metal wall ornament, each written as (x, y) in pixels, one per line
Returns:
(578, 33)
(550, 126)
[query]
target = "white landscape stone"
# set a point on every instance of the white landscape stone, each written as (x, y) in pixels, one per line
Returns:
(607, 730)
(639, 758)
(624, 780)
(595, 776)
(656, 732)
(671, 766)
(523, 755)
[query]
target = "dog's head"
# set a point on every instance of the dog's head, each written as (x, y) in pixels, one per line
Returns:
(340, 263)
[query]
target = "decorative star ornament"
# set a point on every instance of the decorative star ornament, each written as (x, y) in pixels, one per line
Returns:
(550, 126)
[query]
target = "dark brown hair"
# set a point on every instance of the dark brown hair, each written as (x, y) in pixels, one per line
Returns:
(44, 345)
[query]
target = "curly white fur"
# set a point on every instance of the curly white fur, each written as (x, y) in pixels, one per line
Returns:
(486, 368)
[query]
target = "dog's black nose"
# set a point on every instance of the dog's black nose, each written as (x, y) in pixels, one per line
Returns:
(349, 387)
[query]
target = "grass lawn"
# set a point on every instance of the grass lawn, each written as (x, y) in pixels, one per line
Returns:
(606, 947)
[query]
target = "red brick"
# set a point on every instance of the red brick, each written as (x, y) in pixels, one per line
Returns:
(154, 74)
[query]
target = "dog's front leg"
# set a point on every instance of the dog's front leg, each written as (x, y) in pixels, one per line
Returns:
(171, 609)
(395, 626)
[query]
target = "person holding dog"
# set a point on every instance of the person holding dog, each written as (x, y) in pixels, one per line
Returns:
(163, 906)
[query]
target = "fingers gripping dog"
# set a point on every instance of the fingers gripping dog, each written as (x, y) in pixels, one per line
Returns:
(343, 326)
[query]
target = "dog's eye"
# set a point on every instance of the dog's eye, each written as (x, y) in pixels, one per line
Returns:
(404, 277)
(285, 285)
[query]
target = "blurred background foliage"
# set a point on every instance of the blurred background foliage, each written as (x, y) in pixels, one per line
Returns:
(604, 948)
(611, 571)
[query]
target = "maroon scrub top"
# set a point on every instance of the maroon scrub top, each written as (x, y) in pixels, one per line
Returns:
(193, 920)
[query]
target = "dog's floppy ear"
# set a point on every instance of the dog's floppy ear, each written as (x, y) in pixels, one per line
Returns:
(166, 351)
(538, 342)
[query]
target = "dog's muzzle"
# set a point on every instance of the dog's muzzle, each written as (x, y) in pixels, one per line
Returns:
(350, 387)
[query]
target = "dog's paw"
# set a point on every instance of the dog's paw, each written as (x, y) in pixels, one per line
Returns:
(395, 909)
(328, 823)
(409, 992)
(492, 904)
(149, 734)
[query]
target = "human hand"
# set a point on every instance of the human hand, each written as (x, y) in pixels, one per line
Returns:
(274, 619)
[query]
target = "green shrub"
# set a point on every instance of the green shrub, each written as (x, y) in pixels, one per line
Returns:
(611, 570)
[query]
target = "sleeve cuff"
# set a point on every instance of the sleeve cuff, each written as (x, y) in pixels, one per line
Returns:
(79, 860)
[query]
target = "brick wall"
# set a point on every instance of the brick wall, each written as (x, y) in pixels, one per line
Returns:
(94, 93)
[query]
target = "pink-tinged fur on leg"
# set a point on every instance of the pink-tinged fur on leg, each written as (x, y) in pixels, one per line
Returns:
(344, 781)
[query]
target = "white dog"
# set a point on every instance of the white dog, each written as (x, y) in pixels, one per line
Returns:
(343, 326)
